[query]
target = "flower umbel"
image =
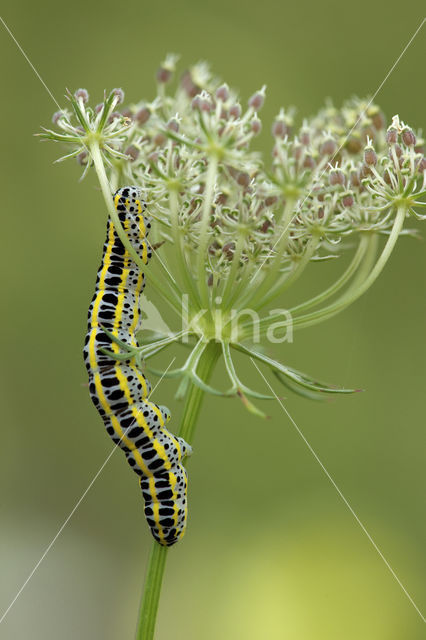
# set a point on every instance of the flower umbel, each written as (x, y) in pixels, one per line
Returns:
(236, 230)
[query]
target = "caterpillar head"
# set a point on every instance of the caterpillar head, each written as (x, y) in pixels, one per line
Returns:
(130, 207)
(129, 200)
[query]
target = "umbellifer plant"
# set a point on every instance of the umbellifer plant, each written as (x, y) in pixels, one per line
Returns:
(233, 231)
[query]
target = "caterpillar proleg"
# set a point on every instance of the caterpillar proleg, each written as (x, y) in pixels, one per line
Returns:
(118, 388)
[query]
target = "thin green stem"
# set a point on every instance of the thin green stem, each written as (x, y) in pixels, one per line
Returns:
(157, 560)
(257, 290)
(340, 282)
(363, 281)
(291, 277)
(204, 230)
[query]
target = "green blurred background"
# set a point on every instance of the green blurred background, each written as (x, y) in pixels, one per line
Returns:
(271, 550)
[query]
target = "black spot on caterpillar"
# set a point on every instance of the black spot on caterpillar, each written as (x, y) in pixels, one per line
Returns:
(118, 388)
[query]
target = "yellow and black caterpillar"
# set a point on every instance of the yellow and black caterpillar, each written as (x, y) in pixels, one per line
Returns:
(118, 388)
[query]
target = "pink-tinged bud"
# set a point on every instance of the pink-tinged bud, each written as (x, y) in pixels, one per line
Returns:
(119, 94)
(210, 280)
(256, 126)
(309, 162)
(266, 226)
(391, 135)
(153, 156)
(370, 157)
(83, 95)
(421, 165)
(113, 116)
(348, 200)
(173, 125)
(337, 177)
(99, 107)
(279, 129)
(143, 115)
(196, 103)
(328, 147)
(57, 116)
(132, 151)
(408, 137)
(223, 93)
(256, 101)
(243, 179)
(82, 158)
(206, 105)
(163, 75)
(235, 111)
(188, 85)
(305, 138)
(159, 139)
(353, 145)
(386, 177)
(126, 113)
(397, 150)
(297, 151)
(320, 213)
(228, 250)
(365, 171)
(355, 179)
(270, 200)
(379, 121)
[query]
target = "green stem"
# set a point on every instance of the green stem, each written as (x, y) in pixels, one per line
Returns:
(257, 290)
(157, 560)
(204, 230)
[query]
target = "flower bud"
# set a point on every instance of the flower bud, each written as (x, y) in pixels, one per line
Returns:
(159, 139)
(256, 126)
(355, 179)
(270, 200)
(99, 107)
(243, 179)
(143, 115)
(196, 103)
(279, 129)
(57, 116)
(337, 177)
(370, 156)
(223, 93)
(348, 200)
(328, 147)
(173, 125)
(257, 99)
(235, 111)
(163, 75)
(421, 165)
(127, 114)
(379, 121)
(83, 95)
(82, 158)
(228, 250)
(309, 162)
(408, 137)
(132, 151)
(113, 116)
(119, 94)
(391, 135)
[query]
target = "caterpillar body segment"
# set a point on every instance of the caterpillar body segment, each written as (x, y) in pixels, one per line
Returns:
(118, 388)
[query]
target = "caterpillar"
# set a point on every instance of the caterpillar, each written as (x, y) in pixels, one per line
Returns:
(118, 388)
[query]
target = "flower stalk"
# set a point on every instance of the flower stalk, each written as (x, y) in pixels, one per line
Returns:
(157, 559)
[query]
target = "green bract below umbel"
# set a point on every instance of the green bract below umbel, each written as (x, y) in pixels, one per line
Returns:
(235, 230)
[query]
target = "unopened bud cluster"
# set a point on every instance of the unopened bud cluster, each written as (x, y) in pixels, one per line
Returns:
(191, 149)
